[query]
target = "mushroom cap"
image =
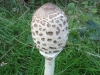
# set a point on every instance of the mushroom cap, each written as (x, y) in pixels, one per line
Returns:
(49, 29)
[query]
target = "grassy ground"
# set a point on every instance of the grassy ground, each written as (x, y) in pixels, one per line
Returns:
(18, 55)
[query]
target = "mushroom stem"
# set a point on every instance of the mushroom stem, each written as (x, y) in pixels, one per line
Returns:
(49, 66)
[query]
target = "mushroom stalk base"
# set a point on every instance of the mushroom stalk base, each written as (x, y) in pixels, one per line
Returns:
(49, 66)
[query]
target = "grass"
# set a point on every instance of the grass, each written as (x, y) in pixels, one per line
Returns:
(18, 55)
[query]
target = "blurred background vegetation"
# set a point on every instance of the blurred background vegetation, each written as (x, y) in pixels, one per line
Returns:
(81, 55)
(19, 6)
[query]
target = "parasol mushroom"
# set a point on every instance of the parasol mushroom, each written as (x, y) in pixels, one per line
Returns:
(49, 29)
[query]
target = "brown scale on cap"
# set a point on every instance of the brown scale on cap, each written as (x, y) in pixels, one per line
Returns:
(46, 10)
(49, 28)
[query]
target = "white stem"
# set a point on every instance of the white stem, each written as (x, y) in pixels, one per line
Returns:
(49, 66)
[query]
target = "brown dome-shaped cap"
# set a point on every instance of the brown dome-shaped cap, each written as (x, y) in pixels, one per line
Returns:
(49, 29)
